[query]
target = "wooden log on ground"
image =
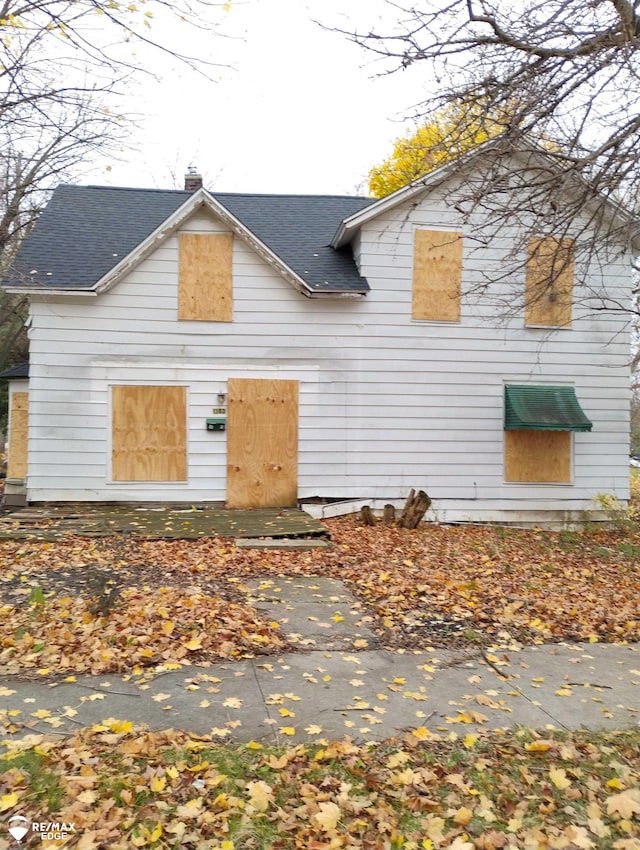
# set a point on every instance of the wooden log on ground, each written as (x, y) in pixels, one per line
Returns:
(407, 504)
(389, 516)
(366, 515)
(415, 508)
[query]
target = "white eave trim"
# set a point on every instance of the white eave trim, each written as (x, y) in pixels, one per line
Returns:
(350, 225)
(48, 291)
(340, 294)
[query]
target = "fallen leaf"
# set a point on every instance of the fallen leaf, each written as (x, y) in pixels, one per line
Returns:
(626, 804)
(558, 776)
(160, 697)
(191, 809)
(260, 795)
(8, 801)
(328, 816)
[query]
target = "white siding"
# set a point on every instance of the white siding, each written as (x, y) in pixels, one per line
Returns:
(386, 403)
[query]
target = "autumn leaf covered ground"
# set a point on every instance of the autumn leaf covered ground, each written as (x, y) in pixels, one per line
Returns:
(122, 789)
(99, 606)
(102, 606)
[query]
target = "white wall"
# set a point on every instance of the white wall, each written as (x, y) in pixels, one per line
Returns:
(386, 403)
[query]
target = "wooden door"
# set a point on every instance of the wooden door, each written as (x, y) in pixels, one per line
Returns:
(262, 443)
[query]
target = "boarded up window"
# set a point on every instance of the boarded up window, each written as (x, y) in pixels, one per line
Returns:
(149, 433)
(18, 435)
(205, 283)
(549, 286)
(538, 456)
(437, 275)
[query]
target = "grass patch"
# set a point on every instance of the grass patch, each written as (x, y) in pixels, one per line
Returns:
(629, 550)
(40, 777)
(538, 789)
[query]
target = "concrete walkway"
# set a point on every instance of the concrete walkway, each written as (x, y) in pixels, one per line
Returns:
(341, 684)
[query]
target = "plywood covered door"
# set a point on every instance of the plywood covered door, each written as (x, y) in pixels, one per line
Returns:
(18, 434)
(262, 443)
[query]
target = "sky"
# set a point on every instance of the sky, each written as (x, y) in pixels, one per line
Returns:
(293, 108)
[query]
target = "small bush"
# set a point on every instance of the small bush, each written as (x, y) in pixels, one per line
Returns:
(618, 516)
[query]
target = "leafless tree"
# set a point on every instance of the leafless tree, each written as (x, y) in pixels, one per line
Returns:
(63, 67)
(565, 73)
(30, 166)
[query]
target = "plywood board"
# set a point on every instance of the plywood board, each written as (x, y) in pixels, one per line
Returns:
(549, 283)
(437, 275)
(149, 433)
(18, 435)
(205, 281)
(262, 443)
(538, 456)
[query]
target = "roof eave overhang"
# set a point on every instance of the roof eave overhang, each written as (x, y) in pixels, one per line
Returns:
(349, 226)
(48, 291)
(339, 294)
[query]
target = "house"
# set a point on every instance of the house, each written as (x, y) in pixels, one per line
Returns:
(264, 350)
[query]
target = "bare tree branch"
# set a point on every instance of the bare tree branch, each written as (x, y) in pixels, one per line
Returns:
(560, 74)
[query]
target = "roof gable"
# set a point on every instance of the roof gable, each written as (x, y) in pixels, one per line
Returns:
(84, 232)
(88, 237)
(532, 153)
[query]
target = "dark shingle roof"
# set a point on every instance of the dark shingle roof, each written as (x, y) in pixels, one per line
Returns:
(299, 229)
(86, 230)
(19, 371)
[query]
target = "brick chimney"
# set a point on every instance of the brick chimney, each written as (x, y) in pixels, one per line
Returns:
(192, 180)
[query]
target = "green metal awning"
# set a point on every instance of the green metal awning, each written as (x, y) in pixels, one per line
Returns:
(543, 408)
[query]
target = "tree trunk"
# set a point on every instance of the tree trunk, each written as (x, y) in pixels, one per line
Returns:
(415, 508)
(389, 515)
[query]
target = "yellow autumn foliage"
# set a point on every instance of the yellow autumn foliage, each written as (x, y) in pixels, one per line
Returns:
(451, 133)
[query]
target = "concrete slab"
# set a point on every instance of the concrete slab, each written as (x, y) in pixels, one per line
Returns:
(314, 612)
(294, 589)
(599, 683)
(369, 695)
(281, 544)
(224, 701)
